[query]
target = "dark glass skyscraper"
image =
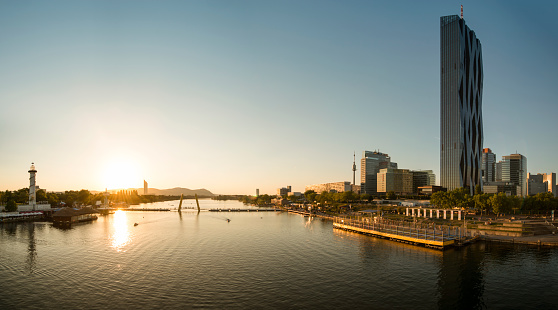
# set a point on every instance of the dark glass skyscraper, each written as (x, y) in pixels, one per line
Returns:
(461, 131)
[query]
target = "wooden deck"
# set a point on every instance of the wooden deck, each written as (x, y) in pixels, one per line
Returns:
(425, 237)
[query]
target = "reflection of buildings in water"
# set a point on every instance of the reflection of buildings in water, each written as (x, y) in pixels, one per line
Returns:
(461, 278)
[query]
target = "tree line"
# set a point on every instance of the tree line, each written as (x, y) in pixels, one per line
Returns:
(494, 203)
(83, 197)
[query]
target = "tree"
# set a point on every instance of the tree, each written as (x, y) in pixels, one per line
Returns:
(310, 195)
(41, 195)
(460, 198)
(439, 199)
(21, 195)
(391, 195)
(499, 203)
(514, 203)
(11, 206)
(53, 199)
(481, 202)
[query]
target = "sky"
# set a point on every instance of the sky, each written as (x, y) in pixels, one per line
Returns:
(232, 96)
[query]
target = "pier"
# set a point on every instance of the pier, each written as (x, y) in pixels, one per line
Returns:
(146, 209)
(244, 210)
(435, 237)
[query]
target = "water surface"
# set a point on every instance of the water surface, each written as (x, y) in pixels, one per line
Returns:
(257, 260)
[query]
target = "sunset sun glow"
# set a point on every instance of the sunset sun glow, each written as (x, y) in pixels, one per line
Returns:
(120, 174)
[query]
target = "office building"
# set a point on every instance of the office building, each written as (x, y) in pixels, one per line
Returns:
(422, 178)
(145, 188)
(370, 165)
(461, 84)
(399, 181)
(334, 187)
(283, 191)
(430, 189)
(541, 183)
(498, 170)
(488, 166)
(514, 171)
(507, 188)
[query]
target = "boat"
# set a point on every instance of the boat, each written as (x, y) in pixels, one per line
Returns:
(136, 224)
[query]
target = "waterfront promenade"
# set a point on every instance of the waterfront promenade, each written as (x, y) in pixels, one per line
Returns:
(436, 237)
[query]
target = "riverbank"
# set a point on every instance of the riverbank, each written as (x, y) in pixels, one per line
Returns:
(473, 235)
(540, 240)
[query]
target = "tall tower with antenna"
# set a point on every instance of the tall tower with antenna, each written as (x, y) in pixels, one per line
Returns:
(354, 167)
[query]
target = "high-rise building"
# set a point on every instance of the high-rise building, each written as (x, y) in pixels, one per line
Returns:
(395, 180)
(461, 84)
(488, 166)
(422, 178)
(498, 169)
(370, 165)
(541, 183)
(145, 188)
(514, 170)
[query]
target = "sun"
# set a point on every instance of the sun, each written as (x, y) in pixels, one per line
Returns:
(121, 174)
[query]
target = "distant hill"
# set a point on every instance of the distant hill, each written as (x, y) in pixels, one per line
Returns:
(166, 192)
(177, 191)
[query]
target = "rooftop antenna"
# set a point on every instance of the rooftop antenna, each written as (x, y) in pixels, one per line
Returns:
(462, 11)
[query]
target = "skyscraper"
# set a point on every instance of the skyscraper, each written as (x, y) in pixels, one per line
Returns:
(488, 166)
(370, 165)
(514, 171)
(461, 130)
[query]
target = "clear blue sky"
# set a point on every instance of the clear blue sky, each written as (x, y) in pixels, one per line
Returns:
(237, 95)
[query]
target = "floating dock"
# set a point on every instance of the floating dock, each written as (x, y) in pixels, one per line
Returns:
(429, 237)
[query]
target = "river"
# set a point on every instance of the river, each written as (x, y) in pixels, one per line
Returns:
(268, 260)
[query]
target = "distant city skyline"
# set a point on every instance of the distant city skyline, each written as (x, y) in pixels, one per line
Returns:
(245, 95)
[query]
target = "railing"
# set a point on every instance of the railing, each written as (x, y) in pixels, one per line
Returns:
(401, 228)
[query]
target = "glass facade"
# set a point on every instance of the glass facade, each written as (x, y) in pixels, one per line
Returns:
(461, 83)
(514, 170)
(488, 166)
(370, 165)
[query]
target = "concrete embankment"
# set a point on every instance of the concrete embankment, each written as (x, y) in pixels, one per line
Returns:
(540, 240)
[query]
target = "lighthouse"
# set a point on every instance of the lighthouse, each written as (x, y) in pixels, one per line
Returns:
(32, 192)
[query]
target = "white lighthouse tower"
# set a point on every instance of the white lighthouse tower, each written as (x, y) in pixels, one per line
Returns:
(32, 192)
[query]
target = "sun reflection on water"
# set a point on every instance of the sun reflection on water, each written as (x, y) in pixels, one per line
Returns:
(121, 235)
